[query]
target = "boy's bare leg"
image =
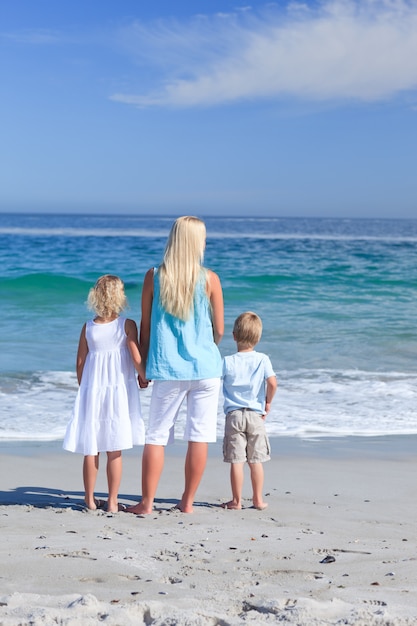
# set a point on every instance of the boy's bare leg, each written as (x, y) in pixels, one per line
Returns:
(152, 465)
(257, 478)
(195, 464)
(236, 480)
(90, 469)
(114, 477)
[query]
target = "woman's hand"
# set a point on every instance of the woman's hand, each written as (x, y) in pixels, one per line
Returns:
(143, 382)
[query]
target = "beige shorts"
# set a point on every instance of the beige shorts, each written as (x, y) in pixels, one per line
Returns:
(245, 438)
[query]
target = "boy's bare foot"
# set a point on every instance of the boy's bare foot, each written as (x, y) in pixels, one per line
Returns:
(138, 509)
(232, 505)
(261, 506)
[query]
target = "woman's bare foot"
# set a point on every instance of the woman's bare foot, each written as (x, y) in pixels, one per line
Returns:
(138, 509)
(182, 508)
(232, 505)
(261, 506)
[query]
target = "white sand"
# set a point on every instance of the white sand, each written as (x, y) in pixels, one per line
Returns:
(352, 499)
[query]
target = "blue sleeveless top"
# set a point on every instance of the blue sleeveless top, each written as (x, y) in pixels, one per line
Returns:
(182, 350)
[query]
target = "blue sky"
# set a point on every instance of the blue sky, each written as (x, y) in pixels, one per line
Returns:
(209, 107)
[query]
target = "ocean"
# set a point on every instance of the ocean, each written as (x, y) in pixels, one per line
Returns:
(337, 298)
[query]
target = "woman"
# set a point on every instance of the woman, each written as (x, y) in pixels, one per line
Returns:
(182, 323)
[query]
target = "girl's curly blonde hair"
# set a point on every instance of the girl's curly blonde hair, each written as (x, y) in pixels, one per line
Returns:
(107, 297)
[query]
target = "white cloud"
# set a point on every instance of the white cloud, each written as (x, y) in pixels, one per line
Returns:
(362, 50)
(33, 37)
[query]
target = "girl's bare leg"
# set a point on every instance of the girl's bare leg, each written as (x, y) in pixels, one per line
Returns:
(90, 469)
(236, 481)
(257, 478)
(152, 465)
(114, 477)
(195, 464)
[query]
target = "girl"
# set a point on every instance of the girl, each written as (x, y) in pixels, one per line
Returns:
(182, 321)
(107, 414)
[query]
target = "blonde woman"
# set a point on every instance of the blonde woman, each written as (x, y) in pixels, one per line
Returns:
(107, 413)
(182, 323)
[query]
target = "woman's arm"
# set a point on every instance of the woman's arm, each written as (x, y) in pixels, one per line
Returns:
(145, 324)
(81, 354)
(215, 294)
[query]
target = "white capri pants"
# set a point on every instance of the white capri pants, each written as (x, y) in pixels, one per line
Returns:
(202, 398)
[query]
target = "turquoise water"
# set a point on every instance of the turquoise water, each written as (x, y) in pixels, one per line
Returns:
(337, 299)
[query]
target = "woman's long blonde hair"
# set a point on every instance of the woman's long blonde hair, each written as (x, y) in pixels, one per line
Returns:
(181, 266)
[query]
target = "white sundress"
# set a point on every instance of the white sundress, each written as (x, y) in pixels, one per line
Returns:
(107, 414)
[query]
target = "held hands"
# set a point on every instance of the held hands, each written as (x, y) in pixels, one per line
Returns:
(143, 382)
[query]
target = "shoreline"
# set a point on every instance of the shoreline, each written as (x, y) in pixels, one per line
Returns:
(390, 446)
(350, 499)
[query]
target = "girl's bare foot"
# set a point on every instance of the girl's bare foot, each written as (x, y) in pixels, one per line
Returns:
(95, 504)
(119, 507)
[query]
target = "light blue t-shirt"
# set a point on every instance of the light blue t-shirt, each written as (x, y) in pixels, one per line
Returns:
(183, 350)
(244, 376)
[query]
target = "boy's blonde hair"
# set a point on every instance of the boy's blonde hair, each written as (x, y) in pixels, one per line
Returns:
(181, 267)
(107, 297)
(247, 329)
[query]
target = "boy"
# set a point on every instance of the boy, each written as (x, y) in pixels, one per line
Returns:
(247, 401)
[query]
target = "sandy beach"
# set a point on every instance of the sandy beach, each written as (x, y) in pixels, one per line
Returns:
(337, 544)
